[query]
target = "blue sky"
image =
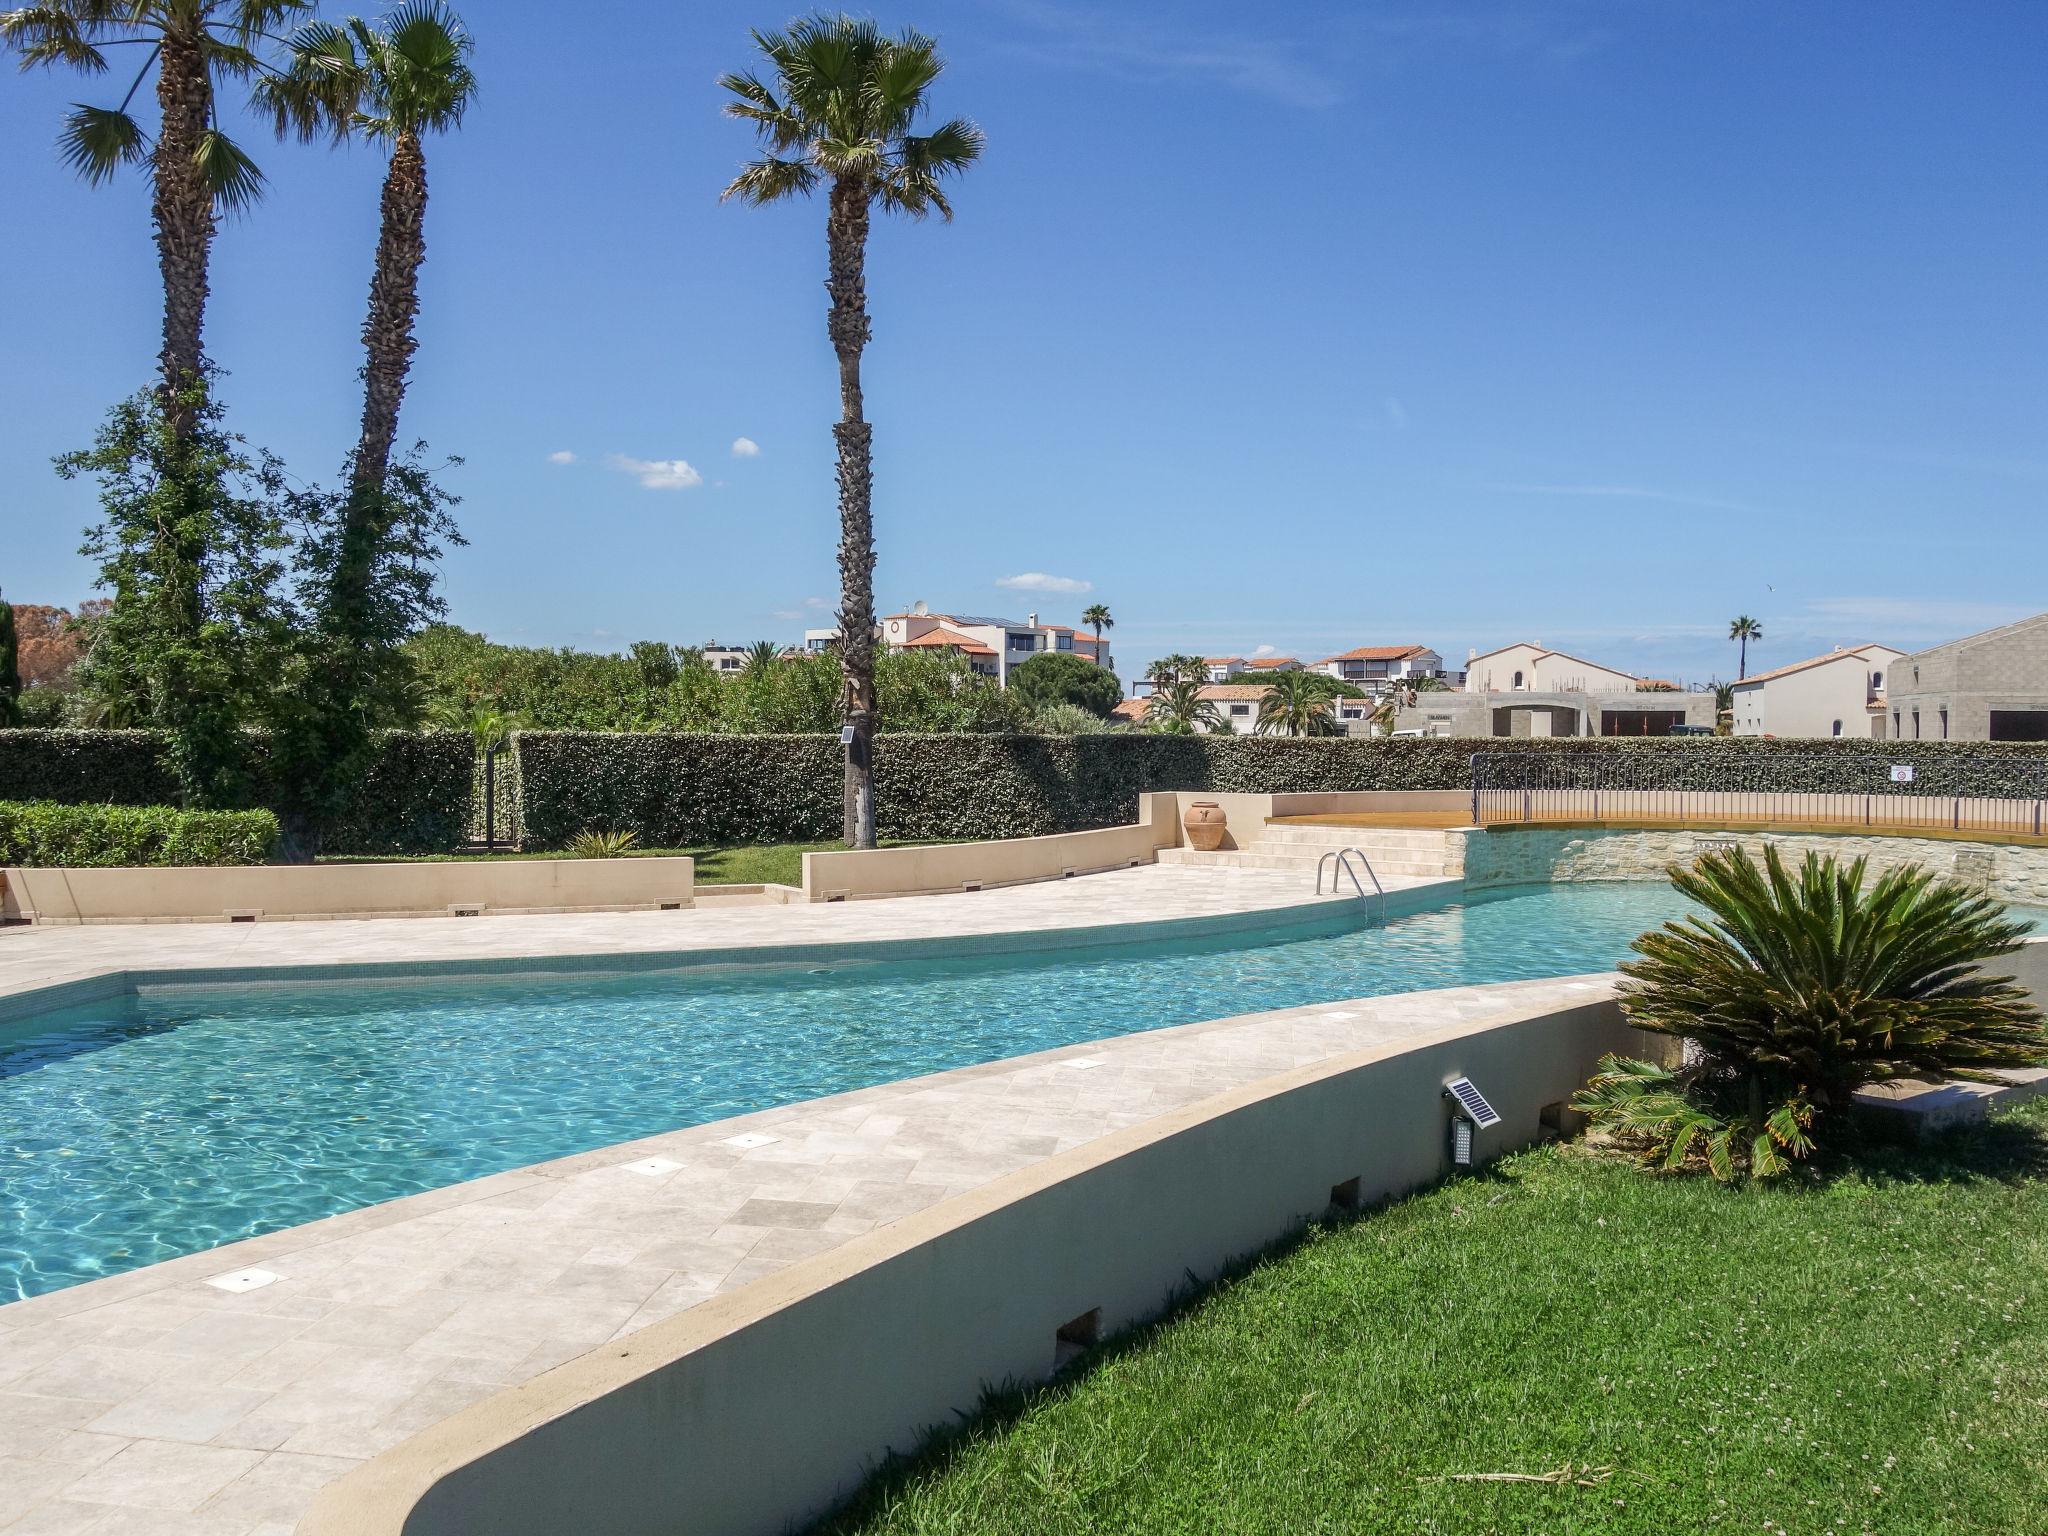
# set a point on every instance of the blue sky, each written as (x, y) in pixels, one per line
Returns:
(1301, 327)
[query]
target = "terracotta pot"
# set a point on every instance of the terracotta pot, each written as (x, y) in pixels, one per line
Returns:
(1205, 825)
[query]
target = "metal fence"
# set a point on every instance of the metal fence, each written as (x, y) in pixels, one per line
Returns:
(1961, 793)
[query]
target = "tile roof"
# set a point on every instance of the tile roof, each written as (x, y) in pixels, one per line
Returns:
(1233, 691)
(1220, 661)
(1132, 709)
(938, 638)
(1815, 661)
(1273, 661)
(1377, 653)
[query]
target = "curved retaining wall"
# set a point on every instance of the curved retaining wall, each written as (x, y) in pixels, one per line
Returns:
(759, 1410)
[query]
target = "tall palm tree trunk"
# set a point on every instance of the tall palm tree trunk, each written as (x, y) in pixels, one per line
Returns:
(1742, 659)
(394, 304)
(184, 218)
(847, 240)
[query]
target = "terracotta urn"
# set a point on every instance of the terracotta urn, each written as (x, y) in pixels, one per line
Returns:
(1205, 825)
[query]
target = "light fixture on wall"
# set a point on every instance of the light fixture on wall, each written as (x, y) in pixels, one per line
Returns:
(1470, 1112)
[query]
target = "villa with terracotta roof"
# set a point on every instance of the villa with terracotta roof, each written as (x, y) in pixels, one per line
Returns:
(1839, 694)
(990, 646)
(1379, 668)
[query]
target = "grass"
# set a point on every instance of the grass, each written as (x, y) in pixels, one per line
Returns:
(762, 864)
(1863, 1352)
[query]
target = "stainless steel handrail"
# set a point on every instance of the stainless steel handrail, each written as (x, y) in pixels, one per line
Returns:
(1343, 858)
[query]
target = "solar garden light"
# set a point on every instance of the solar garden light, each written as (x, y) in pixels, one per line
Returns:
(1469, 1112)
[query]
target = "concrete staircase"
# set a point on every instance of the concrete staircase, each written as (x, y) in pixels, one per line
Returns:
(1392, 850)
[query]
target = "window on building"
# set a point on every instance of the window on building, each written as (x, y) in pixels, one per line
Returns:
(1837, 730)
(1916, 725)
(1518, 679)
(1240, 709)
(1895, 725)
(1944, 725)
(1876, 680)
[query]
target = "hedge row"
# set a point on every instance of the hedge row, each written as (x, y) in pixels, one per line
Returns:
(691, 791)
(414, 798)
(42, 833)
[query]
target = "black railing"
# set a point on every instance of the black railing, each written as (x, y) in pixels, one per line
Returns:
(1959, 793)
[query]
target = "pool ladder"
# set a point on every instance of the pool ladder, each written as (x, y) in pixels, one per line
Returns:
(1342, 858)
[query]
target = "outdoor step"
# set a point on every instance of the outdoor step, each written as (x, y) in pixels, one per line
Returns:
(1405, 837)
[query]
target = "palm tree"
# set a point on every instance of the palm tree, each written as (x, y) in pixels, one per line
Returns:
(1297, 704)
(393, 84)
(1178, 709)
(196, 171)
(1803, 987)
(1096, 616)
(1744, 630)
(839, 111)
(761, 655)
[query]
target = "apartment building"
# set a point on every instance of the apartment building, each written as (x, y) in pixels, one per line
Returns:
(1991, 686)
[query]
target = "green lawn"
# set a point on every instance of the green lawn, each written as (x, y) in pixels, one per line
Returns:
(1864, 1353)
(764, 864)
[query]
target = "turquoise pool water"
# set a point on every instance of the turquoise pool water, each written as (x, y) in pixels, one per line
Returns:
(137, 1130)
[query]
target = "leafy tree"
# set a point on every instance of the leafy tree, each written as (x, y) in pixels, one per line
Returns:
(1178, 709)
(1299, 704)
(197, 519)
(10, 669)
(1096, 617)
(658, 666)
(1060, 677)
(838, 110)
(1742, 630)
(1797, 990)
(349, 673)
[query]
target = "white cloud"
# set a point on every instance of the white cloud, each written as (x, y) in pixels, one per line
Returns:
(562, 456)
(1265, 650)
(1038, 581)
(745, 448)
(658, 474)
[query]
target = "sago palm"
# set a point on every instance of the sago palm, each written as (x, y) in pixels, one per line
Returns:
(1800, 988)
(837, 111)
(1297, 704)
(196, 171)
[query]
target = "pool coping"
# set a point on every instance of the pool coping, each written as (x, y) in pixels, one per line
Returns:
(21, 1002)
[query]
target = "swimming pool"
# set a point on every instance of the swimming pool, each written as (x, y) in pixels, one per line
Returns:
(138, 1129)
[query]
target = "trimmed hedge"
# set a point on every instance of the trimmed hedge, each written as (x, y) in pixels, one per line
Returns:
(41, 833)
(680, 791)
(414, 798)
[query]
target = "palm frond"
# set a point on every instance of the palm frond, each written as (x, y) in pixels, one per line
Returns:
(98, 141)
(770, 180)
(317, 92)
(49, 35)
(227, 172)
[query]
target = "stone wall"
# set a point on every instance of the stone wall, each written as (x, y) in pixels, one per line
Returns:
(1531, 855)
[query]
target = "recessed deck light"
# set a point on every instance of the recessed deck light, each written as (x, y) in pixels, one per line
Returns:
(750, 1140)
(653, 1167)
(243, 1280)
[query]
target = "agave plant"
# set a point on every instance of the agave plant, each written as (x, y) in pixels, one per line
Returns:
(1797, 990)
(593, 843)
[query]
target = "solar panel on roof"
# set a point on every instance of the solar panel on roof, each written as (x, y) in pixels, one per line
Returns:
(1472, 1101)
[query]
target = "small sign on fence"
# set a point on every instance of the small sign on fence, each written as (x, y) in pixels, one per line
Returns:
(1902, 773)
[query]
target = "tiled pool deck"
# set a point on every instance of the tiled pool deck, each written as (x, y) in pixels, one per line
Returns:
(157, 1402)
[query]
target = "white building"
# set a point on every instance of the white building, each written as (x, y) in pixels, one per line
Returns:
(1839, 694)
(1526, 667)
(724, 658)
(993, 647)
(1379, 668)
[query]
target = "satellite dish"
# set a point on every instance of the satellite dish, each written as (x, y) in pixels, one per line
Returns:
(919, 608)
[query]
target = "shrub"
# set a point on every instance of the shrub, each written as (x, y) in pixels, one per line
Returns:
(38, 833)
(1798, 990)
(593, 844)
(413, 798)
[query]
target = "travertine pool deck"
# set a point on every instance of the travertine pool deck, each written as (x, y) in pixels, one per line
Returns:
(157, 1402)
